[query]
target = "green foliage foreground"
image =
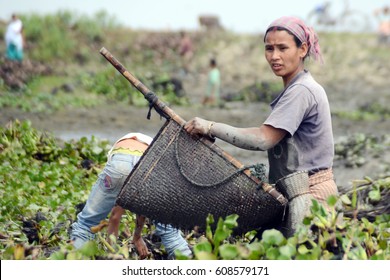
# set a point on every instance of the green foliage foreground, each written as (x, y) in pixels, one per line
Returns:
(42, 180)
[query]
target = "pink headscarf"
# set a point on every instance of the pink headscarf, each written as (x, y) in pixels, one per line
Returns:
(304, 33)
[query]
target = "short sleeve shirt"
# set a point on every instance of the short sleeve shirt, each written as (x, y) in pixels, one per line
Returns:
(13, 34)
(302, 110)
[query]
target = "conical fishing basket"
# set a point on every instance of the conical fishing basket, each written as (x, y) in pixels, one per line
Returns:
(180, 180)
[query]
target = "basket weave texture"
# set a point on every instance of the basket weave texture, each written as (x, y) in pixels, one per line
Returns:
(295, 187)
(180, 180)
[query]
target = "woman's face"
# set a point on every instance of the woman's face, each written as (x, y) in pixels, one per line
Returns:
(283, 55)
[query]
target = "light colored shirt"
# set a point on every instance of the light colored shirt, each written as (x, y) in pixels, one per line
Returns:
(302, 109)
(213, 83)
(13, 35)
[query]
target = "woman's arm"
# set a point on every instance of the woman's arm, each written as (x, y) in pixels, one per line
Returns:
(254, 138)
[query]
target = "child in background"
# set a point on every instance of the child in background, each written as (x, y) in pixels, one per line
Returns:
(213, 85)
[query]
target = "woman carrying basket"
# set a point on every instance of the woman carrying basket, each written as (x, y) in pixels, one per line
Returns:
(298, 132)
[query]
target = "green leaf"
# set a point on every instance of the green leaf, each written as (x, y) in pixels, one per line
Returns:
(33, 207)
(205, 256)
(210, 219)
(204, 246)
(315, 206)
(221, 233)
(228, 251)
(383, 244)
(307, 220)
(332, 200)
(287, 251)
(59, 255)
(302, 249)
(357, 253)
(273, 237)
(231, 221)
(345, 199)
(209, 222)
(89, 249)
(256, 249)
(374, 195)
(74, 255)
(272, 253)
(97, 150)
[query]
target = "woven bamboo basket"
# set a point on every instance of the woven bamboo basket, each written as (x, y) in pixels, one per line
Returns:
(180, 180)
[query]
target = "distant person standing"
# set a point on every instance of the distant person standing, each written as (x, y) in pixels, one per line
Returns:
(213, 85)
(186, 50)
(14, 39)
(383, 15)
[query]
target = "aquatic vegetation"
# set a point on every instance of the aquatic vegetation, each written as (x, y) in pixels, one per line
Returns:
(44, 182)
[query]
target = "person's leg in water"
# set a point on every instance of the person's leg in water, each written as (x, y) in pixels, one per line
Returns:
(171, 237)
(114, 221)
(113, 229)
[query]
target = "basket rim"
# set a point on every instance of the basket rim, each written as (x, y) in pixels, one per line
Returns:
(291, 175)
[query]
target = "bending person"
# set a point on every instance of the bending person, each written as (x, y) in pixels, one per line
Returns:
(122, 158)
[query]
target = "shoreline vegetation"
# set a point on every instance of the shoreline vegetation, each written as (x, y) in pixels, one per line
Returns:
(64, 104)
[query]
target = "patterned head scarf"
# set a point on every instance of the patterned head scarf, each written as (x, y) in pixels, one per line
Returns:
(304, 33)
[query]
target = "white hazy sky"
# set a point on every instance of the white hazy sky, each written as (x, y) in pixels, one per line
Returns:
(237, 15)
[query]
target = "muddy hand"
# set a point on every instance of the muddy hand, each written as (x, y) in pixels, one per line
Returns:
(141, 247)
(197, 126)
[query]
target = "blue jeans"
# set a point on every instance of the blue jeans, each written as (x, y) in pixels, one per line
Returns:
(102, 199)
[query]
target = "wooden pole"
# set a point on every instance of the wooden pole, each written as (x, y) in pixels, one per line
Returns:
(148, 94)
